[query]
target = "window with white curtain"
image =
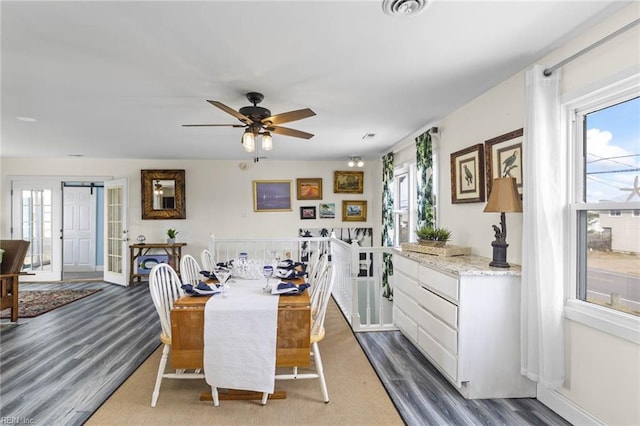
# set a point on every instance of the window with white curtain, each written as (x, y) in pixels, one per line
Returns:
(404, 198)
(606, 195)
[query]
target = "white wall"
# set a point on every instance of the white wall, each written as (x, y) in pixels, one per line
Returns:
(219, 196)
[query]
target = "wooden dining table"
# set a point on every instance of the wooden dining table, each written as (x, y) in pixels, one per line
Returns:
(292, 341)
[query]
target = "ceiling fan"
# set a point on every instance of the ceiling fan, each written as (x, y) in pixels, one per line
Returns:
(259, 121)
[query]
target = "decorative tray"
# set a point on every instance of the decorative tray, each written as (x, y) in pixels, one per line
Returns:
(446, 251)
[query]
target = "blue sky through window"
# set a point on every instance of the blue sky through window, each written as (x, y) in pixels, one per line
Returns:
(613, 153)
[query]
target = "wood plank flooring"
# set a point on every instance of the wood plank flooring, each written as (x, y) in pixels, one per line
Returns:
(59, 367)
(424, 397)
(56, 369)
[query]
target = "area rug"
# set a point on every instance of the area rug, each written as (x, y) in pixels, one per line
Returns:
(32, 303)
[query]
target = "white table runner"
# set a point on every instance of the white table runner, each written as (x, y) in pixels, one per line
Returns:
(240, 330)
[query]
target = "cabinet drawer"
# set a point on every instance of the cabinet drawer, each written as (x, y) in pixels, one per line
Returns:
(407, 284)
(407, 326)
(439, 307)
(441, 283)
(406, 304)
(445, 360)
(447, 336)
(408, 267)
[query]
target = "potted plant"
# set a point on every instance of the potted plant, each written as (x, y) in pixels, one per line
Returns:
(437, 237)
(171, 233)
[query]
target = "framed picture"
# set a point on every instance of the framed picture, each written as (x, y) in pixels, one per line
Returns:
(308, 212)
(272, 195)
(145, 263)
(309, 188)
(467, 175)
(348, 182)
(327, 210)
(354, 211)
(503, 156)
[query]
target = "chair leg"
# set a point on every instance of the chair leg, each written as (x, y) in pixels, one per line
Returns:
(320, 371)
(265, 396)
(214, 393)
(161, 367)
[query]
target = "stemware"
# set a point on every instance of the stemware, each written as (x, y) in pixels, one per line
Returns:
(222, 275)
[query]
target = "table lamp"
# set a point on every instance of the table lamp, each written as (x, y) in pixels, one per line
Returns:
(504, 198)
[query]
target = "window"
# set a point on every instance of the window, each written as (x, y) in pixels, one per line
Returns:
(605, 201)
(405, 200)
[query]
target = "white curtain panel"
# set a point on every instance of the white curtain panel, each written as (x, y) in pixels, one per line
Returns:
(544, 231)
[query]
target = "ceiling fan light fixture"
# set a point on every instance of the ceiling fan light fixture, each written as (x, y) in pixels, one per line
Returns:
(248, 141)
(267, 141)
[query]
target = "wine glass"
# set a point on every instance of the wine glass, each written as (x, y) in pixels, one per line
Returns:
(222, 275)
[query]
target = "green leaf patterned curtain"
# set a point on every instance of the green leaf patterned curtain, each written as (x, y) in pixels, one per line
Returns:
(426, 214)
(387, 222)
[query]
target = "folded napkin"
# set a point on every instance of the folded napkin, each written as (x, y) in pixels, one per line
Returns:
(289, 274)
(289, 288)
(202, 289)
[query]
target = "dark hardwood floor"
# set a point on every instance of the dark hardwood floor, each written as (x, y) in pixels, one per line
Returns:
(59, 367)
(424, 397)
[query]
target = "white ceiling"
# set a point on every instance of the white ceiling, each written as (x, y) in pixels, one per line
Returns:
(118, 79)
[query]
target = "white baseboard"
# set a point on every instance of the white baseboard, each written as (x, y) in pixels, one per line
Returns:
(566, 408)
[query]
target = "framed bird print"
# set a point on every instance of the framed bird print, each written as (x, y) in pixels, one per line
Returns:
(467, 175)
(503, 155)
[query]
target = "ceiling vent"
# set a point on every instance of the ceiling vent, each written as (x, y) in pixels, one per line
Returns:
(403, 7)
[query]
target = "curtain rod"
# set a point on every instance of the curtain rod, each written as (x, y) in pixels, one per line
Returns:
(548, 71)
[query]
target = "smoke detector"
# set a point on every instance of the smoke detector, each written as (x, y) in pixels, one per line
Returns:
(403, 7)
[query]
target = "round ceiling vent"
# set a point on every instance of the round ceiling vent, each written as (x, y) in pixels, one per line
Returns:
(403, 7)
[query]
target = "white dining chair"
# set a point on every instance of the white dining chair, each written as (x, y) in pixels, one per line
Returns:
(319, 303)
(189, 270)
(165, 289)
(208, 262)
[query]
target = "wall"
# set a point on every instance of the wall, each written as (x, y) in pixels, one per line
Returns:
(602, 372)
(219, 196)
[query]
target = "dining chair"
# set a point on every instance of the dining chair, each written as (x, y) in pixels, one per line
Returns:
(165, 289)
(208, 262)
(189, 270)
(319, 304)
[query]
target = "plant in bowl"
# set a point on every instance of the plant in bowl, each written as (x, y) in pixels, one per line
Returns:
(171, 233)
(428, 235)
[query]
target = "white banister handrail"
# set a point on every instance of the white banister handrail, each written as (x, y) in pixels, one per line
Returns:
(358, 272)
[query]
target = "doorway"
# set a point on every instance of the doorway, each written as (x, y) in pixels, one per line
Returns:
(82, 231)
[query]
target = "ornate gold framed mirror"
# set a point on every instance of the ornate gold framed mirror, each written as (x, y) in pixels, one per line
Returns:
(163, 194)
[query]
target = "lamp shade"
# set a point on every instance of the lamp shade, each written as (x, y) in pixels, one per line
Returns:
(267, 141)
(504, 196)
(248, 141)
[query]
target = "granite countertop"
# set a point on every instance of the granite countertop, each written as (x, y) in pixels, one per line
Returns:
(460, 265)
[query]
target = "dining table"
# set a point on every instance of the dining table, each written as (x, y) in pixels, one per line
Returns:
(190, 313)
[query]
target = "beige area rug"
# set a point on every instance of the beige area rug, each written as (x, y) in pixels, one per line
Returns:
(356, 394)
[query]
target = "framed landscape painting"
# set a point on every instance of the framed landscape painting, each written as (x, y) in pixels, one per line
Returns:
(348, 182)
(272, 195)
(309, 188)
(308, 212)
(504, 158)
(467, 175)
(327, 210)
(354, 211)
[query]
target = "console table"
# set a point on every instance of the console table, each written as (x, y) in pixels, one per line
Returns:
(174, 251)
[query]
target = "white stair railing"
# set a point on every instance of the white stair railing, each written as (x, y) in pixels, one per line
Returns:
(358, 272)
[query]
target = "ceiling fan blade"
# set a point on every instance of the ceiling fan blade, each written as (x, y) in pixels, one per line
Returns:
(214, 125)
(289, 132)
(231, 111)
(286, 117)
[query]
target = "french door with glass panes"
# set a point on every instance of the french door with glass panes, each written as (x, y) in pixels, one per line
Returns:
(36, 217)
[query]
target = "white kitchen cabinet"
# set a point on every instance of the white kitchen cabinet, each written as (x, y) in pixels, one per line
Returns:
(464, 316)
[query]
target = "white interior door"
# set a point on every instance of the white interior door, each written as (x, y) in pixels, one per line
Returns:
(79, 229)
(36, 207)
(116, 234)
